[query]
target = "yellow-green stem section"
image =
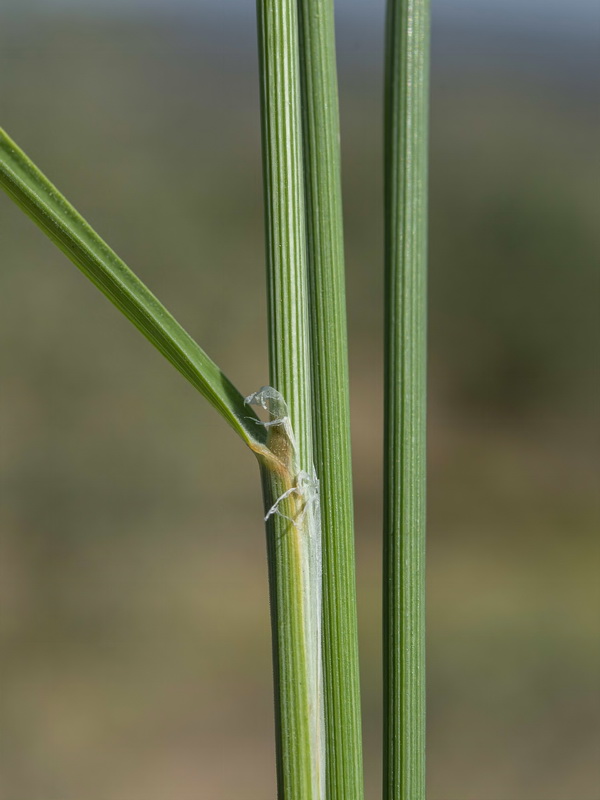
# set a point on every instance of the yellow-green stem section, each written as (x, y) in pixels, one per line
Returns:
(294, 555)
(295, 616)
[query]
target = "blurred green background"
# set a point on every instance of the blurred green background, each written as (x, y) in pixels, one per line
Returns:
(134, 632)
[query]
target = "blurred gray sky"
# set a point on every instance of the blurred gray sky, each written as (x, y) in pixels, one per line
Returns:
(554, 39)
(583, 14)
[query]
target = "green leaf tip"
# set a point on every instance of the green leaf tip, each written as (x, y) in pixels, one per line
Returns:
(59, 220)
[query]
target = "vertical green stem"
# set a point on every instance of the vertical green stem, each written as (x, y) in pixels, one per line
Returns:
(293, 540)
(406, 102)
(330, 396)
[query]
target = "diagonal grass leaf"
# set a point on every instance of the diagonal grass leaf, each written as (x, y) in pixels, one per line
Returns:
(57, 218)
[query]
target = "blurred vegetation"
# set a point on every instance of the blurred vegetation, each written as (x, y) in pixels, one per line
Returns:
(133, 602)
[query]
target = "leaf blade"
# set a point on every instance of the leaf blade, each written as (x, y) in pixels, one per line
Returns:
(60, 221)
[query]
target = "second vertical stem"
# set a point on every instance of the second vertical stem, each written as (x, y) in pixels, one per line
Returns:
(406, 106)
(330, 396)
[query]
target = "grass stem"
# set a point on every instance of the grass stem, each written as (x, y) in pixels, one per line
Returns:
(331, 419)
(406, 104)
(293, 531)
